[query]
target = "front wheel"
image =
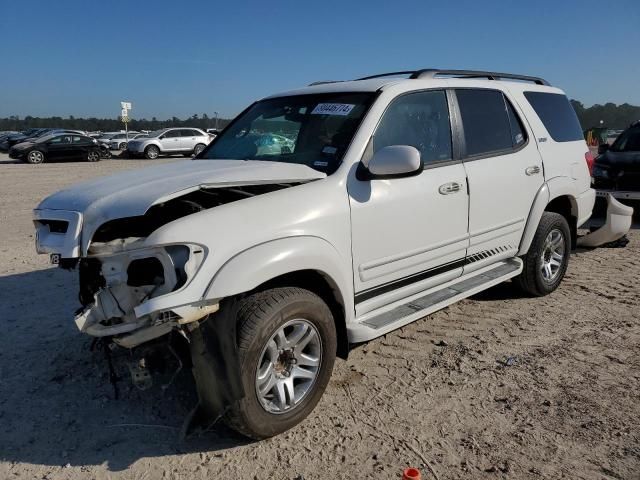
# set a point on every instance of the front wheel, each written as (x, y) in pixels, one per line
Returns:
(152, 152)
(93, 156)
(35, 156)
(287, 348)
(548, 257)
(122, 146)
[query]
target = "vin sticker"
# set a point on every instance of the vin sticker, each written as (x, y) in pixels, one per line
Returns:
(333, 109)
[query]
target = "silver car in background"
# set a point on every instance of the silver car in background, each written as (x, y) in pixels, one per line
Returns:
(119, 141)
(169, 141)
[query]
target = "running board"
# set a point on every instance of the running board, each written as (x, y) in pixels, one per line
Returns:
(399, 314)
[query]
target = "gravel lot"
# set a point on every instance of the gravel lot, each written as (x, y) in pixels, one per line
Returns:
(497, 386)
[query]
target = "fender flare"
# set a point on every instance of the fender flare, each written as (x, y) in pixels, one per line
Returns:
(553, 188)
(256, 265)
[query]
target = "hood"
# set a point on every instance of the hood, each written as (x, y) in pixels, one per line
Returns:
(133, 192)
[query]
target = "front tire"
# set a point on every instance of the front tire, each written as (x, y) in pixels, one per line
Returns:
(287, 348)
(548, 257)
(93, 156)
(122, 146)
(35, 157)
(152, 152)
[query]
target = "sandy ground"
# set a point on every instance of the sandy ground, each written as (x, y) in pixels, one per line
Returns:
(497, 386)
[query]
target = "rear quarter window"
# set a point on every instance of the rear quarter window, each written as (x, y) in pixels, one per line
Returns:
(557, 115)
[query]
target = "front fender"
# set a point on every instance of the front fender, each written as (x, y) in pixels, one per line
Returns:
(257, 265)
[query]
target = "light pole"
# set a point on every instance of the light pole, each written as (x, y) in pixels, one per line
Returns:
(216, 115)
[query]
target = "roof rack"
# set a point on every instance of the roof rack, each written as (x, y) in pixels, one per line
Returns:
(433, 72)
(323, 82)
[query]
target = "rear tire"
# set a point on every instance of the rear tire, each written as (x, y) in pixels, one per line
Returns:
(287, 348)
(198, 148)
(548, 257)
(122, 146)
(152, 152)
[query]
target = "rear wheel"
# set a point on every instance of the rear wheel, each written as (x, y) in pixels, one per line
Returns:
(198, 148)
(152, 152)
(35, 156)
(548, 257)
(122, 146)
(287, 347)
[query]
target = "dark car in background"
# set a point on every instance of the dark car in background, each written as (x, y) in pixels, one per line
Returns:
(56, 147)
(617, 167)
(28, 134)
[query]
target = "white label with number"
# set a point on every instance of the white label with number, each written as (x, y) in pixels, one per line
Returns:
(333, 109)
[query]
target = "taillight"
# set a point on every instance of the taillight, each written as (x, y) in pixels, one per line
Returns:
(590, 161)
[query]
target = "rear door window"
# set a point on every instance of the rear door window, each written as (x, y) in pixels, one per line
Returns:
(487, 128)
(557, 115)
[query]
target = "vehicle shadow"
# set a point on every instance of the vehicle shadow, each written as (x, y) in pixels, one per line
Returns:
(57, 405)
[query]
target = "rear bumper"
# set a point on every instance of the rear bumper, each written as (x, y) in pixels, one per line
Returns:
(619, 194)
(585, 202)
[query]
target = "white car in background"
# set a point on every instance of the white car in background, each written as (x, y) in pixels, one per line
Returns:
(186, 141)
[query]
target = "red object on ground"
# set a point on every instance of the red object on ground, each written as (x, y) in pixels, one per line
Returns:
(411, 474)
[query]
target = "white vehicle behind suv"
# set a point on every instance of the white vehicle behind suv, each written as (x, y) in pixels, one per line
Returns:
(169, 141)
(322, 217)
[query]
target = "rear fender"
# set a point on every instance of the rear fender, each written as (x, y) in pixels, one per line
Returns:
(554, 188)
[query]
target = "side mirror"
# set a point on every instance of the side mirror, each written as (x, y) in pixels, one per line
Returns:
(603, 147)
(160, 137)
(395, 161)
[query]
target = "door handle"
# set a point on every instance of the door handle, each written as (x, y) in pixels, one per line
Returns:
(448, 188)
(534, 170)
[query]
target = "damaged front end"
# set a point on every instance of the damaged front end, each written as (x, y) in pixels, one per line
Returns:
(115, 281)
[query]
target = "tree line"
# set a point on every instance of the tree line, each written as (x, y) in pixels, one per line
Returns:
(108, 124)
(611, 115)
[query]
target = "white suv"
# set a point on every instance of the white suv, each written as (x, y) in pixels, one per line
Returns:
(187, 141)
(320, 218)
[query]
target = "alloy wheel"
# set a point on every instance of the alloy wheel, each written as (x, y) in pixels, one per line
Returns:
(288, 366)
(552, 256)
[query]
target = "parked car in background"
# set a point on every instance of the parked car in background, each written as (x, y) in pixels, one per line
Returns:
(26, 135)
(108, 137)
(168, 141)
(119, 141)
(617, 167)
(58, 146)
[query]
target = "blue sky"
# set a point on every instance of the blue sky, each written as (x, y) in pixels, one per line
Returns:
(179, 58)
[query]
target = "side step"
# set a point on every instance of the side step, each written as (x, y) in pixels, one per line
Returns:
(396, 315)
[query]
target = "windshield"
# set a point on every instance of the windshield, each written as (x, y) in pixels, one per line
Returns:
(313, 130)
(628, 141)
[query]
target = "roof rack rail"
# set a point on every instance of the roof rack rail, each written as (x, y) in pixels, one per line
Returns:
(434, 72)
(322, 82)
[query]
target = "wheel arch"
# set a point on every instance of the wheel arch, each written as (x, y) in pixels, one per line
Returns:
(306, 262)
(556, 196)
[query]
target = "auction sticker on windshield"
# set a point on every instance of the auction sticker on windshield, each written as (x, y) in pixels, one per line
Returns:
(333, 109)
